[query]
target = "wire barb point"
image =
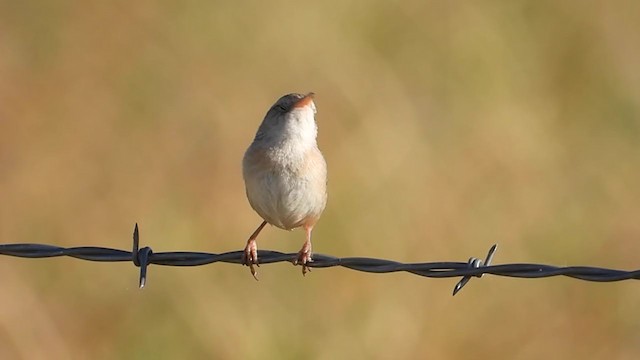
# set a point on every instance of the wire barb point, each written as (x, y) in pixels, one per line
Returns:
(136, 244)
(140, 257)
(143, 258)
(475, 263)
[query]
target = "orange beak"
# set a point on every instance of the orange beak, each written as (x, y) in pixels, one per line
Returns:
(306, 100)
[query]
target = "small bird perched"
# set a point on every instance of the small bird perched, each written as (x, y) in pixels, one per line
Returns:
(285, 174)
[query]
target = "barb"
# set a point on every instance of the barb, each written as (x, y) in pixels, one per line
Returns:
(474, 263)
(144, 257)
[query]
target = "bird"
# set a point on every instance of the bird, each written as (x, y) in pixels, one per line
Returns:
(285, 174)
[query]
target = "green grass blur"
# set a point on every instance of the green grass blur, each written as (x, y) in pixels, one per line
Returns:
(447, 126)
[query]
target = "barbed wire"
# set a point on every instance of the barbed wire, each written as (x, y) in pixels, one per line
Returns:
(143, 257)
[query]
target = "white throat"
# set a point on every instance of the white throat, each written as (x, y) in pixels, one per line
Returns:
(300, 127)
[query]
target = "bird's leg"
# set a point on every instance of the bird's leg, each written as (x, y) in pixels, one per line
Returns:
(250, 256)
(304, 255)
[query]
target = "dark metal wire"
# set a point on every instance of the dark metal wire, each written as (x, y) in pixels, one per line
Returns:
(143, 257)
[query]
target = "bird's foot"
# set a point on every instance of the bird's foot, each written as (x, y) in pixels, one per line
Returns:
(304, 258)
(250, 257)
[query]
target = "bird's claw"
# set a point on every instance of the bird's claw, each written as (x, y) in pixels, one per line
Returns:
(250, 257)
(303, 259)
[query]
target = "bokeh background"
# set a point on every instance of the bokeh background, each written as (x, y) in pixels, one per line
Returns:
(447, 126)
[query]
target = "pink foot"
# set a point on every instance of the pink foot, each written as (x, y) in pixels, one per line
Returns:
(304, 258)
(250, 257)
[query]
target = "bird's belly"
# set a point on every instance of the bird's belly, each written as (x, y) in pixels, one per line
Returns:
(285, 199)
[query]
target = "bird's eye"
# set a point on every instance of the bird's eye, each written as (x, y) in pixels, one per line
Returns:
(281, 107)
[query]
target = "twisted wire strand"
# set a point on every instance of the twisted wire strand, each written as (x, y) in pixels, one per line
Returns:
(143, 257)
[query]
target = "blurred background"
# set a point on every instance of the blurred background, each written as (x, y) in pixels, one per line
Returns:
(447, 127)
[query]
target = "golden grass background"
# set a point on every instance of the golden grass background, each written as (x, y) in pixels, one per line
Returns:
(447, 127)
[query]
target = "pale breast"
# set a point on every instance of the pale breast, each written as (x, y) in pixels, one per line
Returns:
(287, 191)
